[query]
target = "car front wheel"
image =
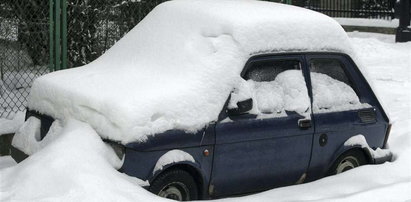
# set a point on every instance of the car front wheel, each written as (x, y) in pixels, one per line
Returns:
(175, 184)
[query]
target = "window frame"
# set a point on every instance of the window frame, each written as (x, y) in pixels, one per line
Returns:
(267, 57)
(304, 57)
(345, 64)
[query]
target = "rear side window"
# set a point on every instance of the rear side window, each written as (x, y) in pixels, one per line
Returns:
(331, 67)
(332, 88)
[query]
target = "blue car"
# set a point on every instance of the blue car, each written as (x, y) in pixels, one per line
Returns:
(249, 154)
(301, 108)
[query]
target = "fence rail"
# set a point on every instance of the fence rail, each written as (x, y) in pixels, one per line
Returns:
(37, 36)
(378, 9)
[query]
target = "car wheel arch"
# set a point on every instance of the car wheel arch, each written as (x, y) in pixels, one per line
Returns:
(346, 149)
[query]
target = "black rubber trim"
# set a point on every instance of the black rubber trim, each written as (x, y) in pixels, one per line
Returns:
(383, 159)
(17, 154)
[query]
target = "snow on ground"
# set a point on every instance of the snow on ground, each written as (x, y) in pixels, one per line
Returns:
(27, 137)
(6, 161)
(368, 22)
(77, 166)
(8, 126)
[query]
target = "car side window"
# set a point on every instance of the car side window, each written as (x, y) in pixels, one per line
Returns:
(332, 88)
(276, 87)
(331, 67)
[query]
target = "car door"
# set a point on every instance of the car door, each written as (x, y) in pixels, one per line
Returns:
(343, 106)
(266, 147)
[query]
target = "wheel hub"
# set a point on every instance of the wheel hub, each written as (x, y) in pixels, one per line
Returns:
(347, 163)
(176, 191)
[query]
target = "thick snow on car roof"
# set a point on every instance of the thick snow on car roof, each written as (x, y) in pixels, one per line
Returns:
(176, 68)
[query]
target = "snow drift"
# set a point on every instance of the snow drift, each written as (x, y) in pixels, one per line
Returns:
(176, 68)
(76, 166)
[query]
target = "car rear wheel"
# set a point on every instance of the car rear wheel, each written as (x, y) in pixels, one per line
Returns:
(175, 184)
(348, 161)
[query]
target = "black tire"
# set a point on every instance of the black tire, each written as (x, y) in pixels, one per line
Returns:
(175, 184)
(347, 161)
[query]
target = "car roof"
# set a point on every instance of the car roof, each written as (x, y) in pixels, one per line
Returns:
(259, 26)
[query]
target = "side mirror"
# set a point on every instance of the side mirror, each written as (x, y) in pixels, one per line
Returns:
(242, 107)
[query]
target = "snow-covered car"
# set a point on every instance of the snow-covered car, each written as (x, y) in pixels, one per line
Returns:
(206, 99)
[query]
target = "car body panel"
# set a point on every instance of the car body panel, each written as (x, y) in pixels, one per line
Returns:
(260, 153)
(141, 164)
(251, 154)
(340, 126)
(169, 140)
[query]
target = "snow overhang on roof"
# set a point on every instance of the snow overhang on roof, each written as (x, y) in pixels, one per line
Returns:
(176, 68)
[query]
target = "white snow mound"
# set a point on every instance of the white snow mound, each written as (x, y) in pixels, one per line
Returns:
(76, 166)
(176, 68)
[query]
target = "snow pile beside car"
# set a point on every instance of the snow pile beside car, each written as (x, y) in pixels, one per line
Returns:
(177, 67)
(8, 126)
(76, 166)
(27, 137)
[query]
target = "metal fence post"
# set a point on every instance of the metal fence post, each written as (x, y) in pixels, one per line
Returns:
(58, 34)
(403, 32)
(64, 34)
(51, 36)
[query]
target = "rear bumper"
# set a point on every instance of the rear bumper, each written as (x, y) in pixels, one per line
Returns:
(382, 159)
(5, 142)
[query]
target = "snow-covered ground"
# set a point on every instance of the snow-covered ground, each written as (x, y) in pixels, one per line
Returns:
(363, 22)
(8, 126)
(77, 166)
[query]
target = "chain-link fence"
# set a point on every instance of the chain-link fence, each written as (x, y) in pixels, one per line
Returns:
(24, 29)
(95, 25)
(31, 33)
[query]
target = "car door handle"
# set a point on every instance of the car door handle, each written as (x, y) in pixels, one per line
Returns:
(304, 123)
